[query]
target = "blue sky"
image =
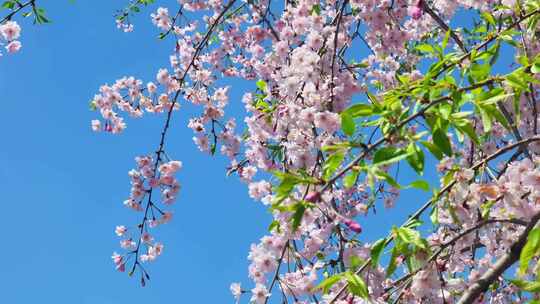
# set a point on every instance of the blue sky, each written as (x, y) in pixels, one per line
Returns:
(63, 185)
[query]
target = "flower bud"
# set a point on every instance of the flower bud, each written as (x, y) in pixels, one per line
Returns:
(416, 11)
(313, 197)
(352, 225)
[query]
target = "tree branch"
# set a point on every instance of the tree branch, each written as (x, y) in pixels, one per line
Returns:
(443, 25)
(480, 286)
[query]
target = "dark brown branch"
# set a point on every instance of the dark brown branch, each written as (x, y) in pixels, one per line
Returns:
(486, 42)
(443, 25)
(161, 146)
(453, 241)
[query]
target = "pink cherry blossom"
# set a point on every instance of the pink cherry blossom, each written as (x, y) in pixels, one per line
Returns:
(120, 230)
(13, 46)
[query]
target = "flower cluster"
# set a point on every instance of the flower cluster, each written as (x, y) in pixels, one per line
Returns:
(10, 31)
(146, 179)
(125, 26)
(127, 95)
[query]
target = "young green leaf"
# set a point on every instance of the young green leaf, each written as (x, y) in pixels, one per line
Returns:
(261, 85)
(392, 266)
(376, 251)
(420, 184)
(350, 179)
(327, 283)
(360, 110)
(433, 149)
(440, 139)
(347, 123)
(299, 210)
(531, 248)
(357, 286)
(415, 158)
(527, 286)
(332, 163)
(389, 155)
(425, 48)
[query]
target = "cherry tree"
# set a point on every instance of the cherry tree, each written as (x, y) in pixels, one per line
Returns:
(344, 93)
(322, 162)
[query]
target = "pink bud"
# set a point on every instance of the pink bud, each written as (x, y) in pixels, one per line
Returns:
(354, 226)
(416, 11)
(313, 197)
(154, 182)
(152, 223)
(121, 267)
(147, 238)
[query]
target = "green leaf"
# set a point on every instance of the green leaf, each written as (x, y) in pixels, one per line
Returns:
(350, 179)
(489, 18)
(516, 82)
(332, 163)
(40, 16)
(420, 184)
(523, 60)
(413, 223)
(274, 226)
(531, 248)
(496, 99)
(532, 287)
(415, 158)
(327, 283)
(285, 187)
(486, 119)
(299, 209)
(355, 262)
(8, 4)
(392, 266)
(535, 68)
(527, 286)
(382, 175)
(486, 208)
(433, 149)
(376, 251)
(316, 9)
(410, 236)
(467, 128)
(261, 85)
(434, 215)
(480, 71)
(445, 40)
(357, 286)
(389, 155)
(347, 123)
(360, 110)
(440, 139)
(425, 48)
